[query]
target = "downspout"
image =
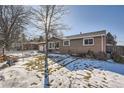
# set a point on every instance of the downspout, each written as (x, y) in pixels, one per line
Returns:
(102, 44)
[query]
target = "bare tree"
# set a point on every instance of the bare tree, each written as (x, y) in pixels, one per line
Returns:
(12, 22)
(111, 39)
(48, 20)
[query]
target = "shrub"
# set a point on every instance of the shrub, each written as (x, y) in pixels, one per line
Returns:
(90, 54)
(101, 56)
(117, 58)
(83, 55)
(69, 52)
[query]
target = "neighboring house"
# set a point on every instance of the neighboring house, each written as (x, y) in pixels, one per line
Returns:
(81, 43)
(31, 46)
(25, 46)
(16, 46)
(120, 50)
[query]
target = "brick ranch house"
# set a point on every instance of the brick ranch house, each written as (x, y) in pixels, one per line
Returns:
(80, 43)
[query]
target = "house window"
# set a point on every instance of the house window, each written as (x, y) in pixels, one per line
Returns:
(66, 43)
(88, 41)
(51, 45)
(57, 45)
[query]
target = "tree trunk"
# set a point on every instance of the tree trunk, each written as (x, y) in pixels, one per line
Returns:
(46, 76)
(3, 51)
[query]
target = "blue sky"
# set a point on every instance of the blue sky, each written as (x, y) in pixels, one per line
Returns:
(94, 18)
(86, 18)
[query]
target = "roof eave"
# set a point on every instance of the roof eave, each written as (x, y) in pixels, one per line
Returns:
(86, 36)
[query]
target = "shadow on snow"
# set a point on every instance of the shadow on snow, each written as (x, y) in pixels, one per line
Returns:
(75, 63)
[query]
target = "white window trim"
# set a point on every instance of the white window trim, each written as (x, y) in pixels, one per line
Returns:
(49, 45)
(66, 40)
(87, 44)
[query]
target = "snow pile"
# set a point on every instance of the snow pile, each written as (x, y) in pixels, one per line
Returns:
(86, 73)
(65, 72)
(86, 79)
(16, 77)
(22, 53)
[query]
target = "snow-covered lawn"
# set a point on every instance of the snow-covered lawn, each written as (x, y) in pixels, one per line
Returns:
(64, 71)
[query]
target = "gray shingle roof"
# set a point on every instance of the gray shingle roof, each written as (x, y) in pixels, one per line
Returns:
(102, 32)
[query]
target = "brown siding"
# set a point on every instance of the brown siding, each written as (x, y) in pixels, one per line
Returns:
(76, 46)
